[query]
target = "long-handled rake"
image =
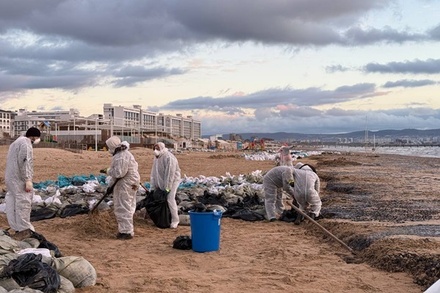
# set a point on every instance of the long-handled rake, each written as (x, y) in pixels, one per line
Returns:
(107, 193)
(320, 227)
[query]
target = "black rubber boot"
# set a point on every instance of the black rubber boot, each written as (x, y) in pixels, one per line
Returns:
(299, 219)
(124, 236)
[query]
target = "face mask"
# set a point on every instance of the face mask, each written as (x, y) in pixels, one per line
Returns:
(156, 153)
(36, 141)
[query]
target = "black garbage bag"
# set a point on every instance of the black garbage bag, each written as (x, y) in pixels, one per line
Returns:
(250, 201)
(28, 270)
(247, 215)
(199, 207)
(209, 198)
(143, 203)
(73, 209)
(46, 244)
(182, 242)
(158, 209)
(289, 216)
(43, 213)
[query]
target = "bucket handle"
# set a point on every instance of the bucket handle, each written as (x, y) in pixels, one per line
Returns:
(217, 213)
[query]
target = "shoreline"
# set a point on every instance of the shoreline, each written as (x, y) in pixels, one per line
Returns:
(416, 151)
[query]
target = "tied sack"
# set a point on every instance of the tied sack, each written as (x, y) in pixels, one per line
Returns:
(28, 270)
(182, 242)
(76, 269)
(158, 209)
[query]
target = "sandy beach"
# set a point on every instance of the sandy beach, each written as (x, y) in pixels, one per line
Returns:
(385, 207)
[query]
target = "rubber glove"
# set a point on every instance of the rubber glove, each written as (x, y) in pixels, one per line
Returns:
(29, 186)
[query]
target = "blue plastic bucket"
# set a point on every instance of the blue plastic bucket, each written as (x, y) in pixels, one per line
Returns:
(205, 230)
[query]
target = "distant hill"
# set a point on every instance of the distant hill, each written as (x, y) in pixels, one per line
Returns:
(356, 135)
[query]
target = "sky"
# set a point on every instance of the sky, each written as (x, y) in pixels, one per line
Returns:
(238, 66)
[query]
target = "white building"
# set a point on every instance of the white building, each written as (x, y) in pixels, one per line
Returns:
(132, 124)
(23, 119)
(6, 126)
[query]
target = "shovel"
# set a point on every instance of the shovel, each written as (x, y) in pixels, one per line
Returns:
(107, 193)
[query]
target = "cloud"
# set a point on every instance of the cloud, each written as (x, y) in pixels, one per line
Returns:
(302, 112)
(169, 24)
(280, 110)
(359, 36)
(336, 68)
(335, 120)
(276, 97)
(132, 75)
(89, 42)
(435, 33)
(50, 49)
(409, 83)
(430, 66)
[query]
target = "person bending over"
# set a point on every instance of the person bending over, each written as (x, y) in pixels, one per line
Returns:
(276, 180)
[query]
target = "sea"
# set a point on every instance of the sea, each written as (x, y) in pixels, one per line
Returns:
(417, 151)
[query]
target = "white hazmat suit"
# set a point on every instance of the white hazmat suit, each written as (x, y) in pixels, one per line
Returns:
(306, 191)
(165, 175)
(303, 167)
(284, 157)
(275, 181)
(18, 177)
(125, 168)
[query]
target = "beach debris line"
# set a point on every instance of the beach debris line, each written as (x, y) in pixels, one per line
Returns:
(322, 228)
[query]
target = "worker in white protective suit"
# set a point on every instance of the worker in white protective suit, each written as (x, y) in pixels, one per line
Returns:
(306, 192)
(165, 175)
(275, 181)
(306, 167)
(126, 144)
(123, 171)
(18, 177)
(303, 185)
(283, 157)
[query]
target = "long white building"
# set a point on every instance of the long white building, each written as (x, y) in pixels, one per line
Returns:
(132, 124)
(147, 123)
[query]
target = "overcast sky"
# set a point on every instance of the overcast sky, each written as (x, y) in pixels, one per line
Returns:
(308, 66)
